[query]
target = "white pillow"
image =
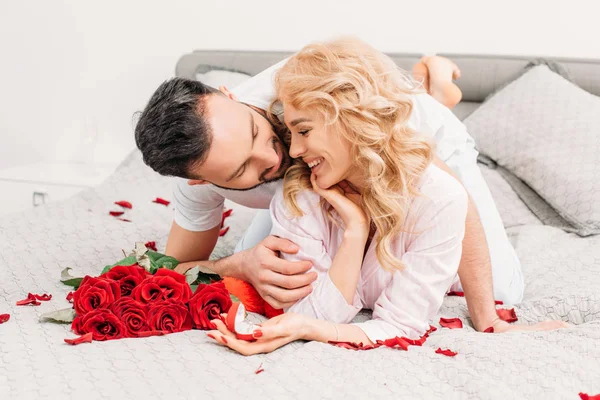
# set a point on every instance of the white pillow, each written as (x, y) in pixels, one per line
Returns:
(218, 77)
(546, 131)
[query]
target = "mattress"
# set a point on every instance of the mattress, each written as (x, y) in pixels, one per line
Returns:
(562, 273)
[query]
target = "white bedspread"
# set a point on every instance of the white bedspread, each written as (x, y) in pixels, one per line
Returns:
(562, 275)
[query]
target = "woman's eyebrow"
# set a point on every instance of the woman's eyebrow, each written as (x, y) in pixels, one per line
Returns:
(299, 120)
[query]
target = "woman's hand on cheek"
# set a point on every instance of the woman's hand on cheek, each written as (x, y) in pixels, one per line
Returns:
(347, 203)
(270, 335)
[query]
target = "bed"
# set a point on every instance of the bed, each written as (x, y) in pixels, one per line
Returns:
(562, 272)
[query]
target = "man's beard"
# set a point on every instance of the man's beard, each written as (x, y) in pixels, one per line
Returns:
(286, 162)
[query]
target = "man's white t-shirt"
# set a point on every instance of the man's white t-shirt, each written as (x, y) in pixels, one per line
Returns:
(199, 207)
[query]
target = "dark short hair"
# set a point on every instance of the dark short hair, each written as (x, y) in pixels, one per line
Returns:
(172, 132)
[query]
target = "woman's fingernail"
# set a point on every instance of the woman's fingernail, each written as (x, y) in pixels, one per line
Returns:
(224, 339)
(257, 333)
(210, 335)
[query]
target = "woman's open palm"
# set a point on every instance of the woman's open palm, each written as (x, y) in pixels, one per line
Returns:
(274, 333)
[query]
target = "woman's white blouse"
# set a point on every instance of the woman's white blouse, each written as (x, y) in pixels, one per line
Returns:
(404, 301)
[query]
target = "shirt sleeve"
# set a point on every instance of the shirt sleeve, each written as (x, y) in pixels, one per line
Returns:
(198, 207)
(311, 233)
(259, 91)
(432, 118)
(414, 295)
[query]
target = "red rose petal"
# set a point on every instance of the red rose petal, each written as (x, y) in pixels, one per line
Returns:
(4, 318)
(354, 346)
(489, 330)
(223, 231)
(116, 213)
(452, 323)
(396, 342)
(446, 352)
(151, 246)
(164, 202)
(388, 342)
(87, 338)
(416, 342)
(225, 215)
(259, 369)
(585, 396)
(151, 333)
(29, 300)
(70, 297)
(124, 204)
(43, 297)
(124, 219)
(459, 294)
(498, 302)
(507, 315)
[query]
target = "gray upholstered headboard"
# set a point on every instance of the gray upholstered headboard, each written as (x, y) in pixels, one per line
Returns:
(481, 74)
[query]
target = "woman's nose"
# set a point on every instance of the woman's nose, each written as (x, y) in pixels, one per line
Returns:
(297, 148)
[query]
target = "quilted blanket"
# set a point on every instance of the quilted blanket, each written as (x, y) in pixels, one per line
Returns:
(562, 274)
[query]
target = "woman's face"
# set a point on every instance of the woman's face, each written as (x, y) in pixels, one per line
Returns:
(320, 146)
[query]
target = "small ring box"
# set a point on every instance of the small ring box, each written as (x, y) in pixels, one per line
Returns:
(236, 322)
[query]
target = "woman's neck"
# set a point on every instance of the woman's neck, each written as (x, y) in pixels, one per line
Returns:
(357, 180)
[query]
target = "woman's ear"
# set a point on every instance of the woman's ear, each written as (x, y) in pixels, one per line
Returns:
(226, 92)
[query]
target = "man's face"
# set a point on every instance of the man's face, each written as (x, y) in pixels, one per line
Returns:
(245, 151)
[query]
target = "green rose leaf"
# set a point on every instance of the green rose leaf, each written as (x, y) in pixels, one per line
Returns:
(150, 260)
(162, 261)
(192, 274)
(207, 278)
(64, 316)
(68, 279)
(129, 260)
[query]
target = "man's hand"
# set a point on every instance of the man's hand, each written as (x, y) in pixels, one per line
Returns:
(279, 282)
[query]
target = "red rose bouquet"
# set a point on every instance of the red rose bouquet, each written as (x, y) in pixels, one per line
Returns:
(141, 296)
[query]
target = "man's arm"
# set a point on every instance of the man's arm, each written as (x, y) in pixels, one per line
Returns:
(192, 248)
(187, 245)
(280, 282)
(475, 268)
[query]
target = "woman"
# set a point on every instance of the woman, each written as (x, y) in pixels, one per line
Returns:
(380, 223)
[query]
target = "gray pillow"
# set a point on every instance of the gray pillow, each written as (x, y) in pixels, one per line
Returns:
(546, 132)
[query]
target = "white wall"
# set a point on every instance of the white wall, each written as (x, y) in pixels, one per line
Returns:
(73, 73)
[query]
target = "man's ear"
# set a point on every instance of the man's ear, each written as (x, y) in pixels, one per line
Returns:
(193, 182)
(226, 92)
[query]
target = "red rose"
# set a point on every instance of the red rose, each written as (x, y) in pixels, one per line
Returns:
(169, 316)
(128, 277)
(95, 293)
(208, 302)
(133, 314)
(164, 285)
(101, 323)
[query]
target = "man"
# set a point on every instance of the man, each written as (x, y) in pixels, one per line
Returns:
(222, 145)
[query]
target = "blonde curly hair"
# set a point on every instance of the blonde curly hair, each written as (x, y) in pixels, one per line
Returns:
(363, 95)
